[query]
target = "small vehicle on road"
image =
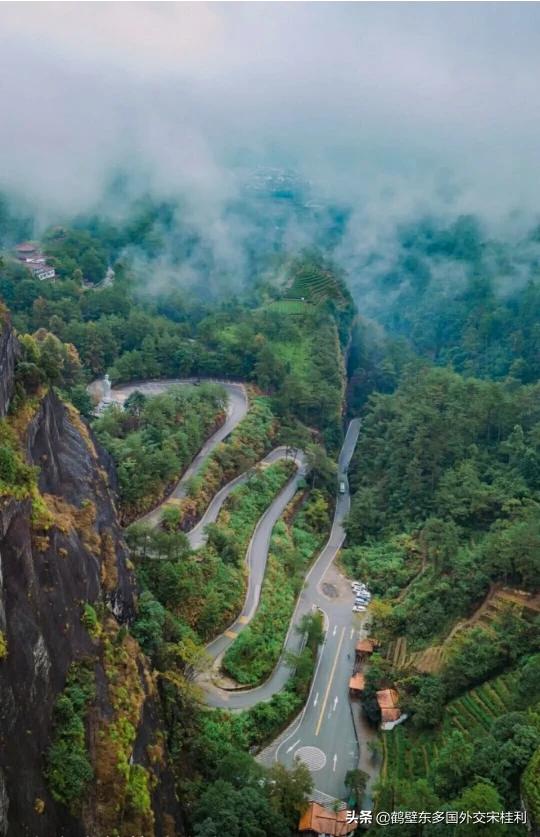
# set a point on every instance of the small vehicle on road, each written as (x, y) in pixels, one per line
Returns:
(342, 486)
(359, 609)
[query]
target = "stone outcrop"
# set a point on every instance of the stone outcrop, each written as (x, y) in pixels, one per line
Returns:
(9, 352)
(49, 568)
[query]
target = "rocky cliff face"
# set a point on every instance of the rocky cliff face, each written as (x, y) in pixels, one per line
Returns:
(9, 352)
(66, 590)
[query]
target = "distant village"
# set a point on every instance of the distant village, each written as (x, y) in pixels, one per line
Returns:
(29, 253)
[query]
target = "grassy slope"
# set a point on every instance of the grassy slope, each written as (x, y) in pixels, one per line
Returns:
(252, 657)
(205, 589)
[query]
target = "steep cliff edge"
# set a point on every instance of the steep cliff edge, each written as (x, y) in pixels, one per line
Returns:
(81, 751)
(9, 351)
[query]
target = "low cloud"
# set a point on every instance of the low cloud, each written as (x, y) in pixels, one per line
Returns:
(394, 110)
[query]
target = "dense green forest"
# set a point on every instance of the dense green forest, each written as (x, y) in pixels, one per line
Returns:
(456, 463)
(444, 516)
(291, 353)
(285, 339)
(153, 440)
(442, 361)
(462, 297)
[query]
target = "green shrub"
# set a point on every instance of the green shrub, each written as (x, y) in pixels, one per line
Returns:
(90, 621)
(138, 790)
(254, 654)
(531, 786)
(69, 770)
(153, 440)
(16, 477)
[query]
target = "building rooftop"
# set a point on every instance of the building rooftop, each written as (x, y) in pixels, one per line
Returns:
(357, 681)
(388, 700)
(366, 645)
(322, 821)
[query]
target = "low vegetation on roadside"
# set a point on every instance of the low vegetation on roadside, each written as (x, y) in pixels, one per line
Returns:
(153, 440)
(246, 446)
(203, 590)
(253, 655)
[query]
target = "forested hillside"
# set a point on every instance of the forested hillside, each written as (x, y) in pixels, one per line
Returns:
(286, 338)
(461, 296)
(152, 441)
(458, 461)
(445, 481)
(290, 347)
(444, 519)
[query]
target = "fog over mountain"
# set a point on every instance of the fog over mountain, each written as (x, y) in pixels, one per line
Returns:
(393, 110)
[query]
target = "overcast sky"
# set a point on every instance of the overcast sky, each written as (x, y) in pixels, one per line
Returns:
(398, 105)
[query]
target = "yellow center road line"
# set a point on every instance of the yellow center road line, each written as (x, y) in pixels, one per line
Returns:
(323, 707)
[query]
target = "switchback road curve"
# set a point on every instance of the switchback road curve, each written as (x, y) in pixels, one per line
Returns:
(323, 735)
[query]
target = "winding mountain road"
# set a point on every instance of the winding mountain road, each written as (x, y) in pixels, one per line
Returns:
(324, 734)
(236, 410)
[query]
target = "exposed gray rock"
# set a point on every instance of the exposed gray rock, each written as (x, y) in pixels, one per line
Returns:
(42, 664)
(9, 352)
(4, 805)
(45, 579)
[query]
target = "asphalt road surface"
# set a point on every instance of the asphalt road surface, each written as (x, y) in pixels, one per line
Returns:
(323, 736)
(197, 537)
(236, 410)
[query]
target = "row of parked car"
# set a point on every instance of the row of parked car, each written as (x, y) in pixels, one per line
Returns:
(362, 596)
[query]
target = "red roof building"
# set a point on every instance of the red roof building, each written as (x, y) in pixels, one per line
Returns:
(388, 700)
(357, 684)
(318, 821)
(366, 645)
(26, 250)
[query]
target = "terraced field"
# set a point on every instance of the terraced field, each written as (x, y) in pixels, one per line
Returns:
(294, 307)
(431, 660)
(410, 755)
(316, 286)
